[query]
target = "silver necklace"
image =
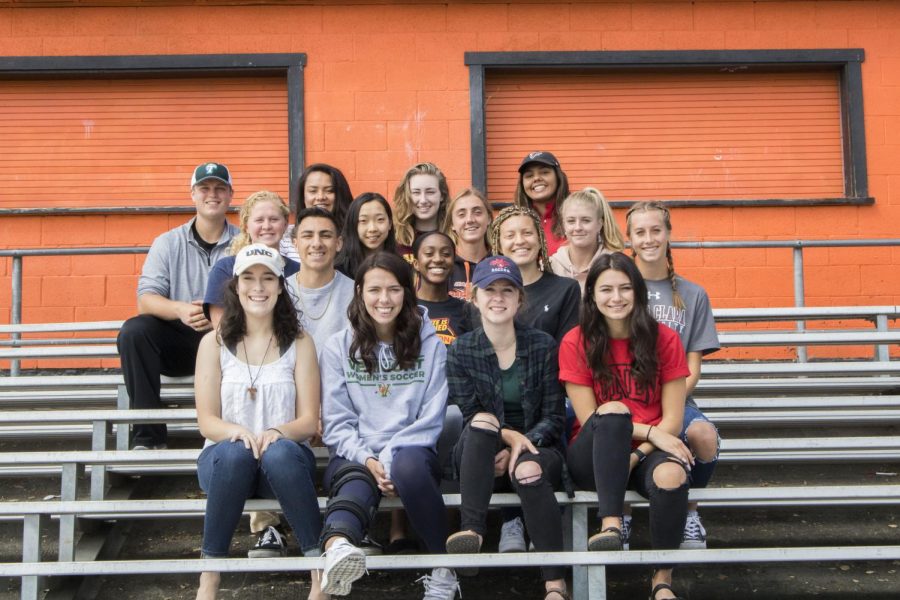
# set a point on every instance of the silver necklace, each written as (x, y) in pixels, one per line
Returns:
(327, 303)
(251, 389)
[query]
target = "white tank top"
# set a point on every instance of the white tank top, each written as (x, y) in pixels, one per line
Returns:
(276, 393)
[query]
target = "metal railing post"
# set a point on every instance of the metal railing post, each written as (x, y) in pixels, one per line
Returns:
(16, 317)
(882, 352)
(799, 295)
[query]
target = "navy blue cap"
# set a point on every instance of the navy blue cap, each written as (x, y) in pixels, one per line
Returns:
(494, 268)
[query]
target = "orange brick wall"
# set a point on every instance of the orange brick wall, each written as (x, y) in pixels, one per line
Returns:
(386, 87)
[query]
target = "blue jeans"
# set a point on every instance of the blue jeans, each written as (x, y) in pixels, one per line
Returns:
(229, 475)
(702, 471)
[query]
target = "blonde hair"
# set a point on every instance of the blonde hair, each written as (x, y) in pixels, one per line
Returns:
(403, 206)
(448, 218)
(648, 206)
(520, 211)
(243, 238)
(611, 236)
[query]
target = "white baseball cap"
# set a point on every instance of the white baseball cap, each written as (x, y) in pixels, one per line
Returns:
(259, 254)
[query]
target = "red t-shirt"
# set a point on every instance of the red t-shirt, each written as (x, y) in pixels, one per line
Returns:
(645, 404)
(553, 242)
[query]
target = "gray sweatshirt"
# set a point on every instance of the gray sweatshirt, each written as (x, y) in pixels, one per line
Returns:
(177, 267)
(373, 415)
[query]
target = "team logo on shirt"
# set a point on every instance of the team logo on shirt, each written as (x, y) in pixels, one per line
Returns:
(384, 389)
(624, 386)
(653, 295)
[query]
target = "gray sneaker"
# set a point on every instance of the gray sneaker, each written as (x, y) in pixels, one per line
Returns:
(442, 584)
(694, 533)
(344, 564)
(512, 536)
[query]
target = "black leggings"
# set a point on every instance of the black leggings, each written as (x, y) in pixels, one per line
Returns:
(474, 456)
(598, 459)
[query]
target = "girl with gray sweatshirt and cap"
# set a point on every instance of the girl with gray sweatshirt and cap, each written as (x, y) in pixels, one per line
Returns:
(384, 397)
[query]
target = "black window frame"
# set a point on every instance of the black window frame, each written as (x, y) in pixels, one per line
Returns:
(848, 62)
(290, 65)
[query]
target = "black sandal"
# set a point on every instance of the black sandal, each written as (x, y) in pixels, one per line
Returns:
(559, 591)
(663, 586)
(600, 542)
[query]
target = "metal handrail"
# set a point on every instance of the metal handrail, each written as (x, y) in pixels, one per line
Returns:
(796, 245)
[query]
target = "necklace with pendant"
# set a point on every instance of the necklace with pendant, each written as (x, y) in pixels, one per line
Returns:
(251, 389)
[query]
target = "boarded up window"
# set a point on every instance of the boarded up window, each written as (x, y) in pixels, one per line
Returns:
(686, 135)
(135, 142)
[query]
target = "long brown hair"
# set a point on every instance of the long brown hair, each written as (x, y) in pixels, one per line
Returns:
(562, 190)
(650, 205)
(489, 210)
(408, 324)
(233, 326)
(643, 328)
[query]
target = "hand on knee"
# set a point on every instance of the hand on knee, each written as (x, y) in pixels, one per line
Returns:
(703, 440)
(485, 421)
(528, 472)
(669, 475)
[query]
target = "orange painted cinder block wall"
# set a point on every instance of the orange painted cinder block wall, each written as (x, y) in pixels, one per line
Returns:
(386, 86)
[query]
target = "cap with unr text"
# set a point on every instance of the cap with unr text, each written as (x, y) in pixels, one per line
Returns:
(258, 254)
(211, 170)
(544, 158)
(494, 268)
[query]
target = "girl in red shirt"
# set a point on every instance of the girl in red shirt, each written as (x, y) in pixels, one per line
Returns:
(625, 375)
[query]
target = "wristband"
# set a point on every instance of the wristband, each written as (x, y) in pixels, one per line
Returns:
(275, 429)
(640, 455)
(647, 439)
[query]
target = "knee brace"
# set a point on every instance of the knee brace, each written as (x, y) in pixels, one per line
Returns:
(336, 502)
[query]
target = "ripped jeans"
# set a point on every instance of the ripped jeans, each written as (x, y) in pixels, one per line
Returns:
(598, 460)
(702, 471)
(474, 458)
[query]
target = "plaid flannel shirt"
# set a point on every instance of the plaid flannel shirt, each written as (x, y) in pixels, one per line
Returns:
(473, 376)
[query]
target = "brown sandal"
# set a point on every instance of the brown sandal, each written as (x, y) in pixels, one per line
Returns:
(560, 591)
(663, 586)
(608, 539)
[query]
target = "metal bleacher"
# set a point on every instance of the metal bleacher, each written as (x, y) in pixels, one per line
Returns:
(763, 402)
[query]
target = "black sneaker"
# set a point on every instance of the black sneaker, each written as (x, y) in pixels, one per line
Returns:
(270, 544)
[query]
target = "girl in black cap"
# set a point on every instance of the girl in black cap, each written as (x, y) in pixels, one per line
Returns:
(543, 186)
(514, 430)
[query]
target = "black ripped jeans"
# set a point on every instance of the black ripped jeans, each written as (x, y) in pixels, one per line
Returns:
(598, 459)
(474, 458)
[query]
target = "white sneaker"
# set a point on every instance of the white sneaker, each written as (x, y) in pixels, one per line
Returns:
(442, 584)
(626, 532)
(694, 533)
(512, 536)
(344, 564)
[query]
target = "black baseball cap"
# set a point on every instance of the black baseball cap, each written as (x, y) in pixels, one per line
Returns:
(544, 158)
(211, 170)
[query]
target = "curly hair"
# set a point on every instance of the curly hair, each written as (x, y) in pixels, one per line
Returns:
(643, 328)
(562, 191)
(243, 238)
(611, 236)
(354, 252)
(233, 326)
(407, 326)
(404, 217)
(643, 207)
(342, 195)
(520, 211)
